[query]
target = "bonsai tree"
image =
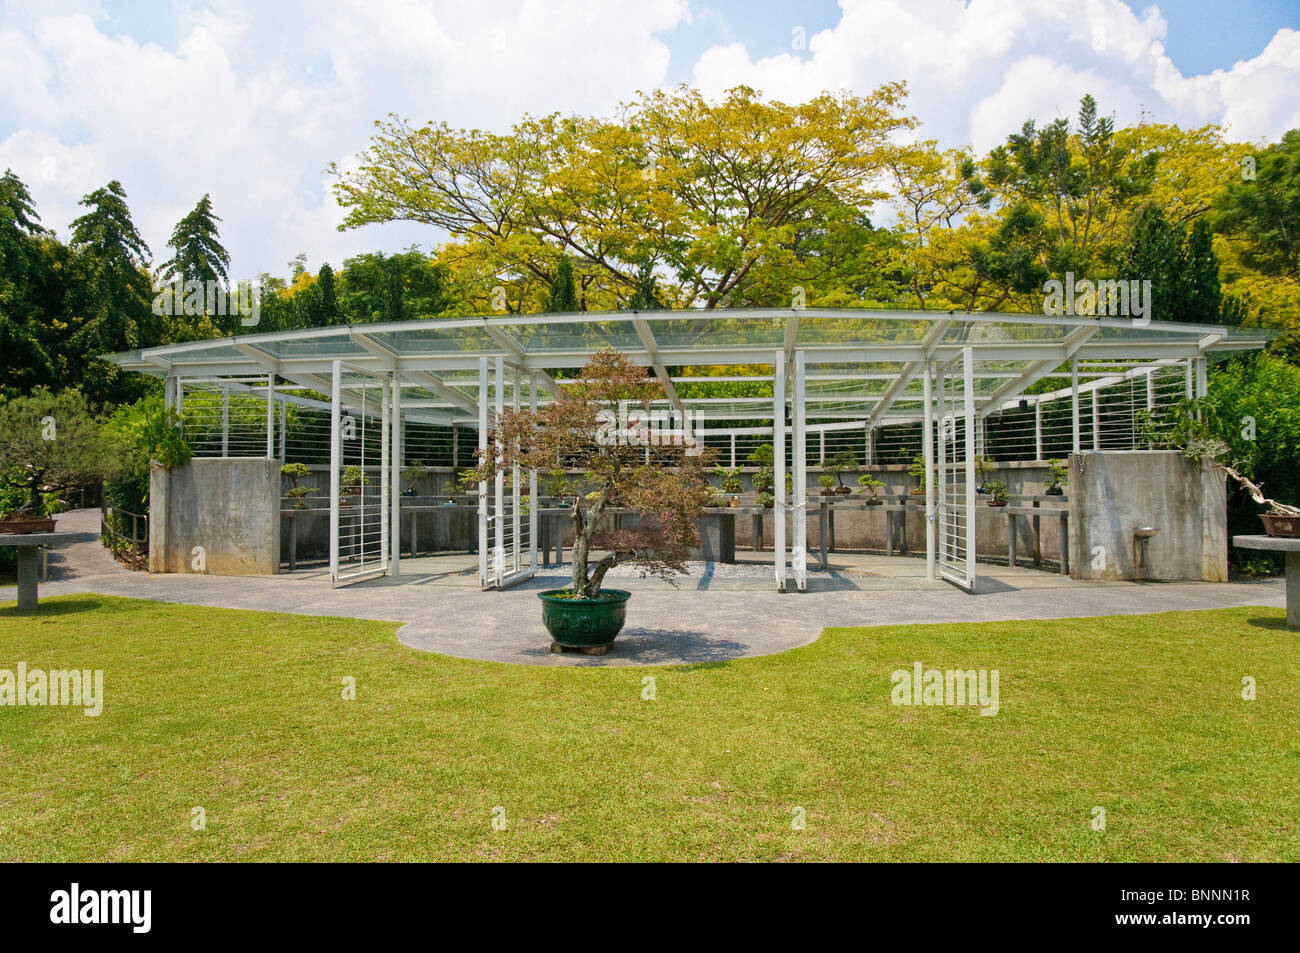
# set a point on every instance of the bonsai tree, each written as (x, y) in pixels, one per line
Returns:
(730, 478)
(295, 472)
(983, 467)
(352, 481)
(413, 474)
(580, 429)
(997, 491)
(764, 480)
(48, 444)
(826, 482)
(467, 482)
(869, 485)
(1058, 475)
(835, 466)
(917, 469)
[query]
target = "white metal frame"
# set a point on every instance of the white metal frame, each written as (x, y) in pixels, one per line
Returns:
(500, 518)
(339, 575)
(955, 492)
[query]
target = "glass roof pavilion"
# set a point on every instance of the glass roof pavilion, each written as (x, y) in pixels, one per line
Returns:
(861, 364)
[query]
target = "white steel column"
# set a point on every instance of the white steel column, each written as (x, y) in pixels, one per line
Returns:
(336, 456)
(1096, 422)
(778, 467)
(1038, 430)
(270, 416)
(395, 481)
(1202, 378)
(927, 449)
(499, 485)
(225, 420)
(1074, 402)
(386, 483)
(533, 504)
(284, 420)
(482, 486)
(799, 509)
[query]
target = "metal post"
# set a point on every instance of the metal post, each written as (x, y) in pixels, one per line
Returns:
(515, 490)
(225, 420)
(270, 416)
(533, 504)
(395, 481)
(1096, 422)
(1038, 430)
(1074, 403)
(927, 451)
(284, 417)
(499, 485)
(482, 486)
(778, 466)
(799, 512)
(733, 451)
(385, 473)
(336, 458)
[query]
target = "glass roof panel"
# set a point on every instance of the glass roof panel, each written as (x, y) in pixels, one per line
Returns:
(721, 332)
(576, 336)
(855, 330)
(428, 340)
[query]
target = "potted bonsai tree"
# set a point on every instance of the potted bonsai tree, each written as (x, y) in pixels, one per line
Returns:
(295, 472)
(350, 484)
(997, 491)
(764, 480)
(834, 468)
(1057, 476)
(664, 499)
(870, 485)
(983, 467)
(917, 470)
(412, 475)
(48, 444)
(731, 485)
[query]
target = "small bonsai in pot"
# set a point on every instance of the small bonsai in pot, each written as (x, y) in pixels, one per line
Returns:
(834, 467)
(412, 475)
(731, 485)
(983, 467)
(48, 444)
(1057, 476)
(350, 484)
(827, 483)
(664, 499)
(870, 486)
(917, 470)
(763, 458)
(295, 472)
(997, 492)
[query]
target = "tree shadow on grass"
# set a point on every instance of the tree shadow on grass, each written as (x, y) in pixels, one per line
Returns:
(1277, 623)
(50, 608)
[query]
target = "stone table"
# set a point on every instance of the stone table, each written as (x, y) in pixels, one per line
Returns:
(1290, 546)
(27, 545)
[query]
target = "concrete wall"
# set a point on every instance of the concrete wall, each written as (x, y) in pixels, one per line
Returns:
(1113, 492)
(229, 507)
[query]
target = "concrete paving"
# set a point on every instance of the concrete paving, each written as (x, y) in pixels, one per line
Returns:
(716, 614)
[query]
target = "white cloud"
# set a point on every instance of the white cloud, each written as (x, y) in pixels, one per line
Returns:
(254, 101)
(976, 72)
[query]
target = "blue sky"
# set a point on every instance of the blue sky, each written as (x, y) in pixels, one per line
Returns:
(250, 101)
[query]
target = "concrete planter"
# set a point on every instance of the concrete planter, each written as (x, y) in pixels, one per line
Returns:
(24, 526)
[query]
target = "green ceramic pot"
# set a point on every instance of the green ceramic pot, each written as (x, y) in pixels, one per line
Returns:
(584, 623)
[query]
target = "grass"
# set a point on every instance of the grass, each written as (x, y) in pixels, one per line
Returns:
(241, 713)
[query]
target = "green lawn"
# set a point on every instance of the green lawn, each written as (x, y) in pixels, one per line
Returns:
(241, 713)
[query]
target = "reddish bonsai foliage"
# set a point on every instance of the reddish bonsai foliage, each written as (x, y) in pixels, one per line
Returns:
(579, 432)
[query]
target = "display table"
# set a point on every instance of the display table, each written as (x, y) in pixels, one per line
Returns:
(28, 546)
(1290, 546)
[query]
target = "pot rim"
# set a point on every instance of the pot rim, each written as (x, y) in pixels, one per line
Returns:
(552, 596)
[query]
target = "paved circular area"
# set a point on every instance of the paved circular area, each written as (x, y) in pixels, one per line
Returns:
(717, 614)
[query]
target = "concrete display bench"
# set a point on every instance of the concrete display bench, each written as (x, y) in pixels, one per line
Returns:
(28, 546)
(1290, 546)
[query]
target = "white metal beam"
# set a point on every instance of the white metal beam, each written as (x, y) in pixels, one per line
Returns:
(928, 347)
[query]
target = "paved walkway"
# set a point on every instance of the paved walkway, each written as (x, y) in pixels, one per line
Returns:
(716, 614)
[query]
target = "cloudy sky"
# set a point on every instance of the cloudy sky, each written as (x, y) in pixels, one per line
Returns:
(250, 101)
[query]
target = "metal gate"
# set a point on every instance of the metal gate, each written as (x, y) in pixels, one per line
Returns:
(507, 524)
(359, 475)
(955, 470)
